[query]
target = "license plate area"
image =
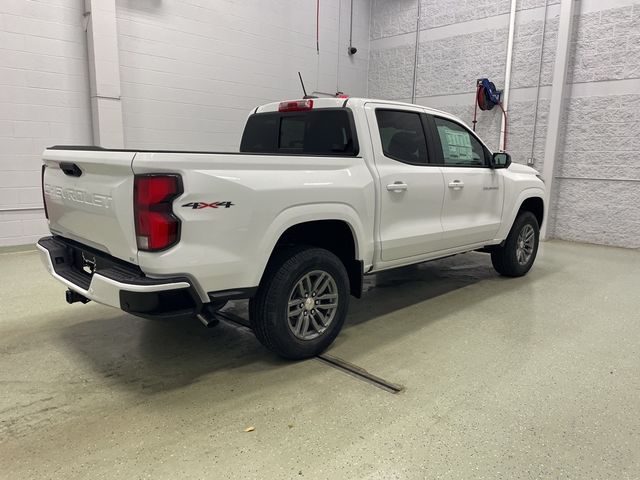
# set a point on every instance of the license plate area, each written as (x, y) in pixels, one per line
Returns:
(78, 264)
(67, 262)
(71, 262)
(83, 262)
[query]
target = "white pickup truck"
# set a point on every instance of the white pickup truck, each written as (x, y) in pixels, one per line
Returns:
(322, 192)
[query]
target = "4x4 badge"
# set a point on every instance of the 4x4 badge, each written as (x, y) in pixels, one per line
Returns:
(199, 205)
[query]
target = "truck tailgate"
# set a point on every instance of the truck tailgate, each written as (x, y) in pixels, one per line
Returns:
(89, 198)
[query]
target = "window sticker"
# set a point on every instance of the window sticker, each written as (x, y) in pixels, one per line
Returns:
(456, 145)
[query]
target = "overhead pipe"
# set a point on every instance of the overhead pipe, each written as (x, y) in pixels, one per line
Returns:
(318, 27)
(317, 44)
(531, 159)
(507, 74)
(415, 58)
(352, 50)
(339, 35)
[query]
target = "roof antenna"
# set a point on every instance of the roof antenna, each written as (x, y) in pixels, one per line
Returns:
(304, 90)
(334, 95)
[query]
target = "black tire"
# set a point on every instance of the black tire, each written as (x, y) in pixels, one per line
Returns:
(269, 309)
(505, 258)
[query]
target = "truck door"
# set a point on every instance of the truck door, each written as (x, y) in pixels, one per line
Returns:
(411, 189)
(473, 197)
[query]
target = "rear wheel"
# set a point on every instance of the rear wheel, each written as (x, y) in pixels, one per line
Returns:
(516, 256)
(301, 303)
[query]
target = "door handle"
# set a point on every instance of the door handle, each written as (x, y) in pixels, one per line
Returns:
(397, 186)
(456, 184)
(70, 169)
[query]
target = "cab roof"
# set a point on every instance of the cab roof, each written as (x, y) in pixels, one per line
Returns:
(353, 102)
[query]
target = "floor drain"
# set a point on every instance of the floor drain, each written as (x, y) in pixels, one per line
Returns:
(359, 373)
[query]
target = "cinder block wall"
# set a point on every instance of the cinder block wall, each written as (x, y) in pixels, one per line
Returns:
(598, 167)
(190, 71)
(598, 175)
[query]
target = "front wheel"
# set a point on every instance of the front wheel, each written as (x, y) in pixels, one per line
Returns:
(516, 256)
(301, 303)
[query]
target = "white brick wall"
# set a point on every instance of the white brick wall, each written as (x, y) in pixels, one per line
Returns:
(191, 70)
(44, 100)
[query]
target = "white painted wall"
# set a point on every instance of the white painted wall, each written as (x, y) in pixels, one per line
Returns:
(44, 99)
(190, 71)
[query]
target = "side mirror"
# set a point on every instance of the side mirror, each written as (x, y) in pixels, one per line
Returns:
(500, 160)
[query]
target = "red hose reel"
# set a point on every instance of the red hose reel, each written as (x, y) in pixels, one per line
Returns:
(487, 97)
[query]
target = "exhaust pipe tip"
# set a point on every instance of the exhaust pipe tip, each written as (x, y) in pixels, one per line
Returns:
(74, 297)
(207, 315)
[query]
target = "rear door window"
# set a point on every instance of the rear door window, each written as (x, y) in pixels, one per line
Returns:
(317, 132)
(402, 136)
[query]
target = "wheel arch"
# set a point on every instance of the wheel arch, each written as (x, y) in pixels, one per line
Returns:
(534, 205)
(530, 199)
(336, 228)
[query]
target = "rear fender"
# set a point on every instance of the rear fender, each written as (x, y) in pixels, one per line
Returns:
(308, 213)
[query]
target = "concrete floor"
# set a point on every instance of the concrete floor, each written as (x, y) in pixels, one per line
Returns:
(537, 377)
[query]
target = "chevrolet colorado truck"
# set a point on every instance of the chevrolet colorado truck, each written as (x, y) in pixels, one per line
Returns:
(322, 192)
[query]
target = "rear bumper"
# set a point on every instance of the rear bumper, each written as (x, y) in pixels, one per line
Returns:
(109, 281)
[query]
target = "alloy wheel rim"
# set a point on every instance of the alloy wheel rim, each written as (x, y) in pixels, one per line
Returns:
(525, 243)
(312, 305)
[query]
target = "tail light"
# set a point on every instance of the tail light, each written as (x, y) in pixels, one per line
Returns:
(295, 106)
(157, 228)
(44, 199)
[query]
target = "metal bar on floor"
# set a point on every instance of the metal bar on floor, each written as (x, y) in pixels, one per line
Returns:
(359, 373)
(334, 362)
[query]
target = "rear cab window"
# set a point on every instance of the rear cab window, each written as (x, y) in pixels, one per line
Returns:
(325, 131)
